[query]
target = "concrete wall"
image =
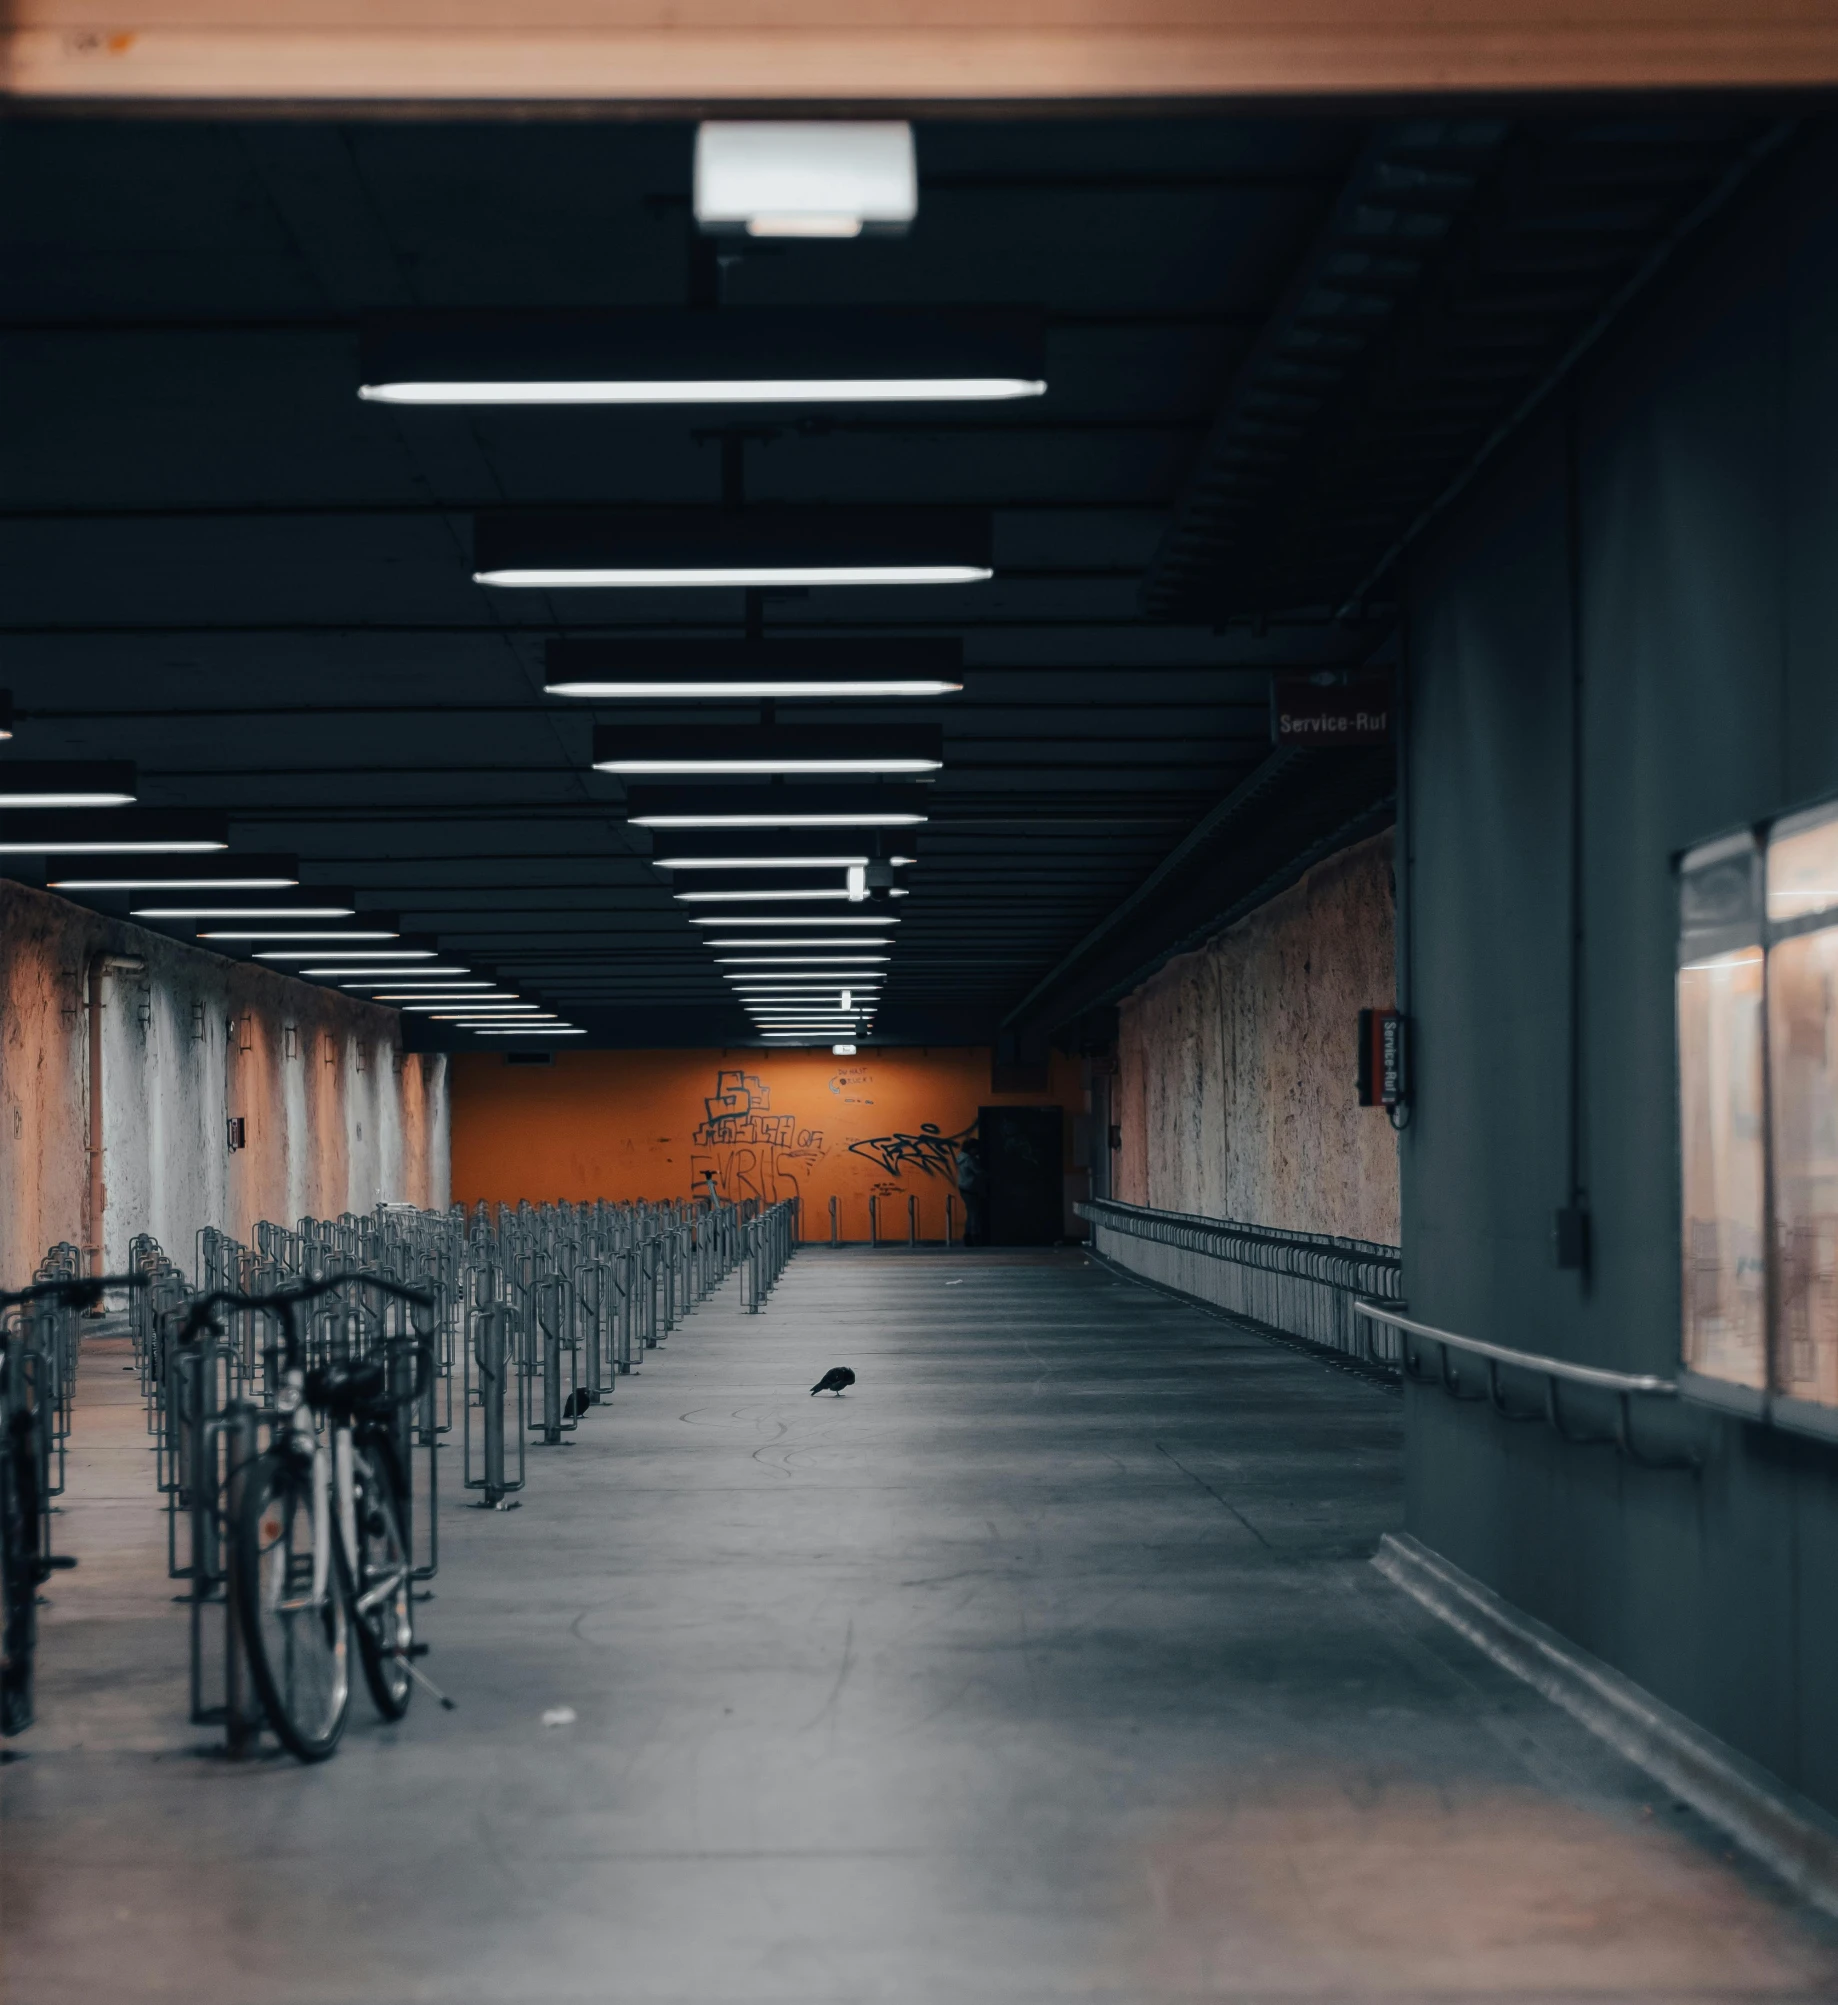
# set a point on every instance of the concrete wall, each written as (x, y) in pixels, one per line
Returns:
(1705, 450)
(1235, 1091)
(336, 1117)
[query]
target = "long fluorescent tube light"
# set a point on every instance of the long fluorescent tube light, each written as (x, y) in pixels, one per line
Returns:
(172, 883)
(555, 550)
(758, 897)
(130, 831)
(356, 953)
(742, 355)
(324, 973)
(537, 1030)
(716, 390)
(743, 941)
(798, 960)
(769, 820)
(759, 862)
(738, 750)
(789, 919)
(66, 783)
(242, 912)
(805, 177)
(695, 670)
(283, 933)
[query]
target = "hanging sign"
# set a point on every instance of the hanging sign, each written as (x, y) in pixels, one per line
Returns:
(1330, 707)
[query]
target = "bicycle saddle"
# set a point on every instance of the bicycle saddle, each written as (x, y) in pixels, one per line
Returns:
(345, 1386)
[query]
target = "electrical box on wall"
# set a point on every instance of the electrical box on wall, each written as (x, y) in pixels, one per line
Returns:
(237, 1125)
(1383, 1071)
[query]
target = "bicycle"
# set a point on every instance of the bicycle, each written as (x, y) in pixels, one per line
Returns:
(26, 1560)
(316, 1549)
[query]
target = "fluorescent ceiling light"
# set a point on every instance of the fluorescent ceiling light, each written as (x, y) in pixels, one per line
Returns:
(758, 862)
(356, 953)
(697, 577)
(756, 897)
(458, 992)
(717, 390)
(242, 912)
(536, 1030)
(741, 355)
(66, 783)
(805, 177)
(323, 973)
(769, 820)
(128, 831)
(172, 883)
(671, 670)
(789, 919)
(281, 933)
(557, 550)
(743, 941)
(797, 960)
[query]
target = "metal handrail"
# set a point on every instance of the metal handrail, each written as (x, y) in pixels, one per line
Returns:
(1624, 1387)
(1606, 1381)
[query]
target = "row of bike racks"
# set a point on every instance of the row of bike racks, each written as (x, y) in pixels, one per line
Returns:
(538, 1311)
(41, 1380)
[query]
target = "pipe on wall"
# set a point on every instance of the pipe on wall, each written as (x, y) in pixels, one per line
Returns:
(95, 1193)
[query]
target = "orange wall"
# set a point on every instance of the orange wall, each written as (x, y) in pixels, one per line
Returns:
(649, 1124)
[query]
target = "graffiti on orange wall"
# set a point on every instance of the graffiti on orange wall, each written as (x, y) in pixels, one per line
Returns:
(930, 1152)
(747, 1148)
(838, 1134)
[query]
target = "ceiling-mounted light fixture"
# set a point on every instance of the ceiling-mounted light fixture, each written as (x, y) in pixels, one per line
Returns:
(242, 912)
(805, 177)
(739, 750)
(261, 871)
(836, 896)
(749, 671)
(730, 805)
(289, 933)
(66, 783)
(741, 355)
(121, 832)
(827, 921)
(741, 940)
(613, 549)
(533, 1030)
(324, 974)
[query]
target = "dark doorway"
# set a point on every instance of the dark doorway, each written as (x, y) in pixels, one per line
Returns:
(1021, 1165)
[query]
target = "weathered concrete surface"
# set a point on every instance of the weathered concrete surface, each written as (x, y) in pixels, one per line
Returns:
(1046, 1666)
(1235, 1092)
(335, 1115)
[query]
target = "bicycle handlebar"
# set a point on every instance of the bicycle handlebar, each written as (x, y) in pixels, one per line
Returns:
(81, 1292)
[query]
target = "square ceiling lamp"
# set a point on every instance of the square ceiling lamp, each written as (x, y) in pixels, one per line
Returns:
(741, 750)
(751, 671)
(741, 355)
(629, 549)
(806, 178)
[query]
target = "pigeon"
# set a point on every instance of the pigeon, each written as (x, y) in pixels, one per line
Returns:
(834, 1380)
(575, 1404)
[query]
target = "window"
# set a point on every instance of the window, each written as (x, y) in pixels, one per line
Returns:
(1757, 1005)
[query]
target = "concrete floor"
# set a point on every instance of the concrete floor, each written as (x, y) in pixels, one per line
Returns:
(1046, 1666)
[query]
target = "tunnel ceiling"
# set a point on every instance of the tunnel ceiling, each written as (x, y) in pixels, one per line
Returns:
(1271, 343)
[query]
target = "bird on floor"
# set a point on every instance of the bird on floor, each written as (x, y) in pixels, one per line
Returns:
(576, 1404)
(834, 1380)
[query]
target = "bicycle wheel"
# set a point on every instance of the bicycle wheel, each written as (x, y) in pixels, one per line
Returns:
(298, 1636)
(384, 1592)
(20, 1572)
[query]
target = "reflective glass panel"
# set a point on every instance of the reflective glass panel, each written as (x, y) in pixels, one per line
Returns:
(1721, 1131)
(1803, 1059)
(1803, 866)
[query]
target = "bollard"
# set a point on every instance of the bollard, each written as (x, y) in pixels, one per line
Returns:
(950, 1220)
(874, 1220)
(835, 1225)
(241, 1719)
(912, 1218)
